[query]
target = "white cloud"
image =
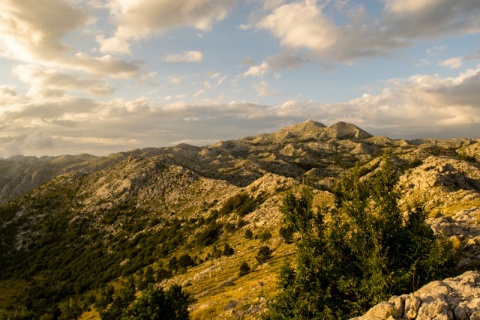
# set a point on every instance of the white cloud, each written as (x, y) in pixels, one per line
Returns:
(186, 56)
(264, 89)
(452, 63)
(256, 71)
(278, 62)
(411, 6)
(198, 93)
(308, 24)
(300, 25)
(45, 82)
(175, 80)
(8, 96)
(221, 80)
(435, 50)
(33, 32)
(137, 20)
(423, 62)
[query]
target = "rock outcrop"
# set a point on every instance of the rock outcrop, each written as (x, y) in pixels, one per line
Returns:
(456, 298)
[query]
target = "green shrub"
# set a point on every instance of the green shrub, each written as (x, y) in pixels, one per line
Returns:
(185, 261)
(244, 269)
(209, 235)
(227, 250)
(287, 234)
(265, 235)
(156, 304)
(264, 254)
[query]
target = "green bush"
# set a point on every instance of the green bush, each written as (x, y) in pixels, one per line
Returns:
(209, 235)
(244, 269)
(227, 250)
(265, 235)
(287, 234)
(358, 253)
(185, 261)
(264, 254)
(156, 304)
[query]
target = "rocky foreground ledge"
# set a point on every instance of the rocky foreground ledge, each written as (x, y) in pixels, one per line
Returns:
(455, 298)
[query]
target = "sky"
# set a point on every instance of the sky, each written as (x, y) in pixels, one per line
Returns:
(103, 76)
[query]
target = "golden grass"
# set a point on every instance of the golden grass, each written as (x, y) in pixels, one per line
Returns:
(92, 314)
(451, 209)
(220, 288)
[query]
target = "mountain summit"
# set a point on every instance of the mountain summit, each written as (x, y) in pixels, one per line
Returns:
(163, 215)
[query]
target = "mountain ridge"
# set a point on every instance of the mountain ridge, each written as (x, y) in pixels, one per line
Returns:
(110, 218)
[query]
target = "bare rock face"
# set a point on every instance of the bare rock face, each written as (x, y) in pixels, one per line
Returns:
(455, 298)
(19, 174)
(442, 180)
(343, 130)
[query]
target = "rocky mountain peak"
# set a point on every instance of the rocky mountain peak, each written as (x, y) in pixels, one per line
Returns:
(307, 126)
(315, 130)
(344, 130)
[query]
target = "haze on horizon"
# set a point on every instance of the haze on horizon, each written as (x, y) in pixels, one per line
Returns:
(102, 76)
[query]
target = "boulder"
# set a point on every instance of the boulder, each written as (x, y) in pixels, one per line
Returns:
(456, 298)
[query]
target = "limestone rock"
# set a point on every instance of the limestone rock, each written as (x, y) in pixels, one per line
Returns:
(451, 299)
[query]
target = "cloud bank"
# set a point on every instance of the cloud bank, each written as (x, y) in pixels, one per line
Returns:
(416, 106)
(305, 25)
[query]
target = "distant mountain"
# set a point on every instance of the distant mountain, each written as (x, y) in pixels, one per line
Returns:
(71, 226)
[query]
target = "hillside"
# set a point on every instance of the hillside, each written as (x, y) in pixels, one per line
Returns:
(72, 226)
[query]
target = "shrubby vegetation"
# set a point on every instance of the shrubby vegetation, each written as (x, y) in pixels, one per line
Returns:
(244, 269)
(287, 234)
(357, 253)
(241, 203)
(264, 254)
(72, 257)
(157, 304)
(154, 303)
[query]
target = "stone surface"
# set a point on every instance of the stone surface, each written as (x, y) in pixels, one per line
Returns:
(456, 298)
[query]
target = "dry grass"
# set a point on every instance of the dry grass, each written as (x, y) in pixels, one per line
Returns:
(221, 293)
(451, 209)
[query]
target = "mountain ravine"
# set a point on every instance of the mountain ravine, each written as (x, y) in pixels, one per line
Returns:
(74, 228)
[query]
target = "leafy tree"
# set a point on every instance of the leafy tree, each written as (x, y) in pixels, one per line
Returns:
(209, 235)
(265, 235)
(156, 304)
(287, 234)
(148, 277)
(22, 314)
(163, 274)
(185, 261)
(227, 250)
(70, 310)
(216, 253)
(244, 269)
(264, 253)
(173, 264)
(358, 253)
(248, 234)
(122, 299)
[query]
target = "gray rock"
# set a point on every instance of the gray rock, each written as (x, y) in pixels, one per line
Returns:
(453, 298)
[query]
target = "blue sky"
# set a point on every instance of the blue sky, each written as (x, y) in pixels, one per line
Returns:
(101, 76)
